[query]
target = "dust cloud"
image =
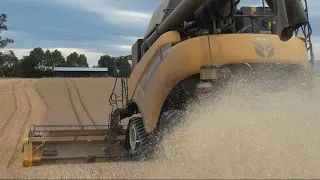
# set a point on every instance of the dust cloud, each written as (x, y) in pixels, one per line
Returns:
(248, 133)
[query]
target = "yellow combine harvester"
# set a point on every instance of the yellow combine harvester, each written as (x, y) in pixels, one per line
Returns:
(190, 50)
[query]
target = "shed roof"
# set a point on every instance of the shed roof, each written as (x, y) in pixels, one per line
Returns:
(80, 69)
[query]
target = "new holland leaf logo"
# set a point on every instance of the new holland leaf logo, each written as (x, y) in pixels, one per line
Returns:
(264, 47)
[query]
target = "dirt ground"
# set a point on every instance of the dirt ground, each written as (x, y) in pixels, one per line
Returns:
(246, 135)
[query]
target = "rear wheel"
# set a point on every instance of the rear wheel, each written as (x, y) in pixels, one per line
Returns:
(168, 122)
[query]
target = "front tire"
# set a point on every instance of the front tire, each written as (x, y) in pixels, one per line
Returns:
(136, 139)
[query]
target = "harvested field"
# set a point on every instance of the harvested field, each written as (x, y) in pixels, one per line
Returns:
(96, 107)
(47, 102)
(246, 135)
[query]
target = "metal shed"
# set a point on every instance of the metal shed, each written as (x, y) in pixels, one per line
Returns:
(80, 72)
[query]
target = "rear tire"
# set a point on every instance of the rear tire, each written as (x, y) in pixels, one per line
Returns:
(168, 122)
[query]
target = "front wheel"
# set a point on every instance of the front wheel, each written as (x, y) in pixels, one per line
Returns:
(136, 139)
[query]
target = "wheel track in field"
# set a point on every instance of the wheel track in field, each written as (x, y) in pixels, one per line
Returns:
(9, 89)
(25, 121)
(43, 100)
(14, 108)
(72, 103)
(82, 103)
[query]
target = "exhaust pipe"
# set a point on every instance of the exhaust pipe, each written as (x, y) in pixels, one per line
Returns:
(185, 9)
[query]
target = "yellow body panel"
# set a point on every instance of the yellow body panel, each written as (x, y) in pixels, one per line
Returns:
(240, 48)
(27, 155)
(169, 37)
(185, 59)
(84, 141)
(180, 62)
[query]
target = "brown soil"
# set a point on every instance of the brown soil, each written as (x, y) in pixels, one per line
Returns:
(247, 134)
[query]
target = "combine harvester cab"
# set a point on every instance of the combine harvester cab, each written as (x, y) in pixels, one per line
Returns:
(189, 51)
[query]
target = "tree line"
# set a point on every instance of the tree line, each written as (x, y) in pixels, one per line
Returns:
(40, 63)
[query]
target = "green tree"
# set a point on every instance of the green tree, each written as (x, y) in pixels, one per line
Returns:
(2, 59)
(107, 62)
(82, 61)
(28, 67)
(54, 59)
(74, 60)
(3, 43)
(3, 27)
(47, 61)
(124, 66)
(38, 55)
(10, 66)
(41, 64)
(57, 59)
(33, 65)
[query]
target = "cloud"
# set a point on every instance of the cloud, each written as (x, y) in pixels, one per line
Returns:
(109, 12)
(106, 44)
(18, 52)
(14, 34)
(126, 48)
(126, 16)
(131, 38)
(316, 46)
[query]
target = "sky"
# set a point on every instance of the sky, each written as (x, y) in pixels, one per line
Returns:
(92, 27)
